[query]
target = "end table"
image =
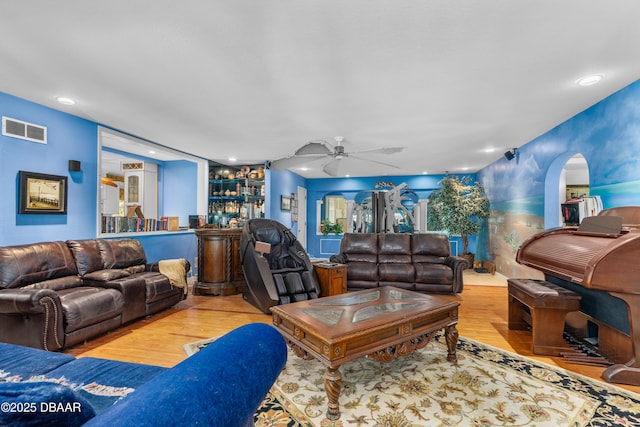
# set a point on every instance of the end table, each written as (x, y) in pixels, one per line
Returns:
(332, 278)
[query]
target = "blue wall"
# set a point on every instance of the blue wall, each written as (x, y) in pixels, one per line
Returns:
(72, 138)
(277, 184)
(179, 195)
(524, 192)
(69, 138)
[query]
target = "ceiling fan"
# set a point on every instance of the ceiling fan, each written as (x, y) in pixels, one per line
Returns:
(336, 155)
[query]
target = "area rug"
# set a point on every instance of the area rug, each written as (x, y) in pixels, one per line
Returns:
(487, 387)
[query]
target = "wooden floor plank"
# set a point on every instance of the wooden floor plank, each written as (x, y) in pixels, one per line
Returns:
(159, 339)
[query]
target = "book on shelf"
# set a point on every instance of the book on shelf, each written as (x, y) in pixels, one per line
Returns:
(122, 224)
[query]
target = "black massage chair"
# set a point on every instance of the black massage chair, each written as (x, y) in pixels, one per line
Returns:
(276, 266)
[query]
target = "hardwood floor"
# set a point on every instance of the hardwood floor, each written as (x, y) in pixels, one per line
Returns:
(159, 339)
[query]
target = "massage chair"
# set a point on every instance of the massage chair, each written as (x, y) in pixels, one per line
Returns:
(276, 266)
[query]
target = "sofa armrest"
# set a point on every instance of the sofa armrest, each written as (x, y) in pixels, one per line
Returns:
(458, 265)
(31, 317)
(26, 301)
(154, 266)
(222, 384)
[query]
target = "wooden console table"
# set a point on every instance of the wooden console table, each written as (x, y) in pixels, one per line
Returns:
(219, 265)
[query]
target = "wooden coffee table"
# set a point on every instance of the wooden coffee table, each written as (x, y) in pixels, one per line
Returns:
(382, 323)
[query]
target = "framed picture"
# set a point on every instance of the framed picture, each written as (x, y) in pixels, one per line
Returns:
(285, 203)
(42, 194)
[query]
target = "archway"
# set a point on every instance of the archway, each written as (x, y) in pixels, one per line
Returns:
(555, 184)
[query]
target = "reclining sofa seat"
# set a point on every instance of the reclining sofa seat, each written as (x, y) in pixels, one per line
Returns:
(419, 261)
(281, 274)
(45, 304)
(121, 264)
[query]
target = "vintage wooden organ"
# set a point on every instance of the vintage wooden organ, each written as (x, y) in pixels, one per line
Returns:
(601, 258)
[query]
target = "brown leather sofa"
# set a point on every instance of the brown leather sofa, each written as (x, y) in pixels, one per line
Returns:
(420, 262)
(57, 294)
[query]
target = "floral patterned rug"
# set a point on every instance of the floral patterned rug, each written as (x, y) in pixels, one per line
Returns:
(487, 387)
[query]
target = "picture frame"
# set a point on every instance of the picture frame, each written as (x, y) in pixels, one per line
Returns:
(41, 193)
(285, 203)
(294, 207)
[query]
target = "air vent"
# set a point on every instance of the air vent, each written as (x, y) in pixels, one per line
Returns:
(23, 130)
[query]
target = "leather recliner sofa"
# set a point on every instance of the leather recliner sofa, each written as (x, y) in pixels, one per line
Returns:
(57, 294)
(420, 262)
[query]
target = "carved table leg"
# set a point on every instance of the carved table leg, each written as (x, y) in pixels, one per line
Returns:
(333, 385)
(451, 337)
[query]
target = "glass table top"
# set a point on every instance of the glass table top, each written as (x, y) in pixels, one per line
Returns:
(330, 312)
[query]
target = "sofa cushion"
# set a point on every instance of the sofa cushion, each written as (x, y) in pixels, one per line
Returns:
(362, 271)
(25, 362)
(430, 248)
(121, 253)
(87, 255)
(395, 248)
(360, 247)
(85, 306)
(105, 275)
(433, 273)
(395, 272)
(43, 404)
(103, 382)
(57, 284)
(26, 264)
(158, 286)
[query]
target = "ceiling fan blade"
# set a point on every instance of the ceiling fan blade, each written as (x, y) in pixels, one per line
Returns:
(313, 148)
(386, 150)
(373, 161)
(289, 162)
(332, 167)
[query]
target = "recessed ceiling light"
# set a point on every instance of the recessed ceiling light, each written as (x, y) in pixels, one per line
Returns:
(304, 169)
(589, 80)
(489, 150)
(152, 152)
(66, 101)
(232, 159)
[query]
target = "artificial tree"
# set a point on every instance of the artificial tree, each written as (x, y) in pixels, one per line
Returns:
(457, 207)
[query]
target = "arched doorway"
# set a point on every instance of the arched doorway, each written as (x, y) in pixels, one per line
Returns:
(568, 174)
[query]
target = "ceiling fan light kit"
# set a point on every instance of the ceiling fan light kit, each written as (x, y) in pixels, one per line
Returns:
(336, 155)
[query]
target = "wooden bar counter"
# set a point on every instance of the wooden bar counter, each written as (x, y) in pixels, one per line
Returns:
(219, 265)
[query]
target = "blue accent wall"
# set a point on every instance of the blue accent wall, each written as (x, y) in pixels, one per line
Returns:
(179, 195)
(69, 138)
(72, 138)
(524, 192)
(278, 184)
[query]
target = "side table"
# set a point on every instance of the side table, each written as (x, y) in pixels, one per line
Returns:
(332, 278)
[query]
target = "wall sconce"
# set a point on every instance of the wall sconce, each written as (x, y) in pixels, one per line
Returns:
(511, 154)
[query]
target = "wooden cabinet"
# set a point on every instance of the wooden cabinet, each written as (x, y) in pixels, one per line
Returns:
(141, 187)
(332, 278)
(219, 265)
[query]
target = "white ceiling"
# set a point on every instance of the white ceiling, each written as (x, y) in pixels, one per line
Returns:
(256, 79)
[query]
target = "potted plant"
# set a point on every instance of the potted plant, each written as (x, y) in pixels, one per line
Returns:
(327, 227)
(457, 207)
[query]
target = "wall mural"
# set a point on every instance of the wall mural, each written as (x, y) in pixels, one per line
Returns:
(607, 135)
